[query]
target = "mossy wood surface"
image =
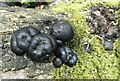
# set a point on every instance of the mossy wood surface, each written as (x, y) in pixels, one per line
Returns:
(99, 64)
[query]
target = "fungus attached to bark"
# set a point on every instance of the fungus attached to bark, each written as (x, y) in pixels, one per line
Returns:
(41, 47)
(62, 31)
(21, 38)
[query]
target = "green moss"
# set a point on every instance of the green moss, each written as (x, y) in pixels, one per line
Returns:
(98, 64)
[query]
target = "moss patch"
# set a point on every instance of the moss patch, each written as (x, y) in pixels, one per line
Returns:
(97, 64)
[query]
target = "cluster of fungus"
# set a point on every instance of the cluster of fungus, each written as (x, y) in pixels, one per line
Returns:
(39, 47)
(63, 32)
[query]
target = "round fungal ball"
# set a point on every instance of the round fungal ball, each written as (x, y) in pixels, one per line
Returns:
(62, 31)
(61, 52)
(108, 45)
(41, 47)
(71, 60)
(21, 38)
(57, 62)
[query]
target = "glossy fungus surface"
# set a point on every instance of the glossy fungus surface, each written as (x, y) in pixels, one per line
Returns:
(41, 47)
(71, 60)
(57, 62)
(67, 55)
(62, 31)
(61, 52)
(21, 38)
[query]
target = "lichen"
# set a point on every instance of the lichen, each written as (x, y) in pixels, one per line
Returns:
(99, 64)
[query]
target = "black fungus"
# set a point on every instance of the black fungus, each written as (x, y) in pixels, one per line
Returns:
(57, 62)
(62, 31)
(41, 47)
(108, 45)
(59, 42)
(71, 60)
(67, 55)
(61, 52)
(21, 38)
